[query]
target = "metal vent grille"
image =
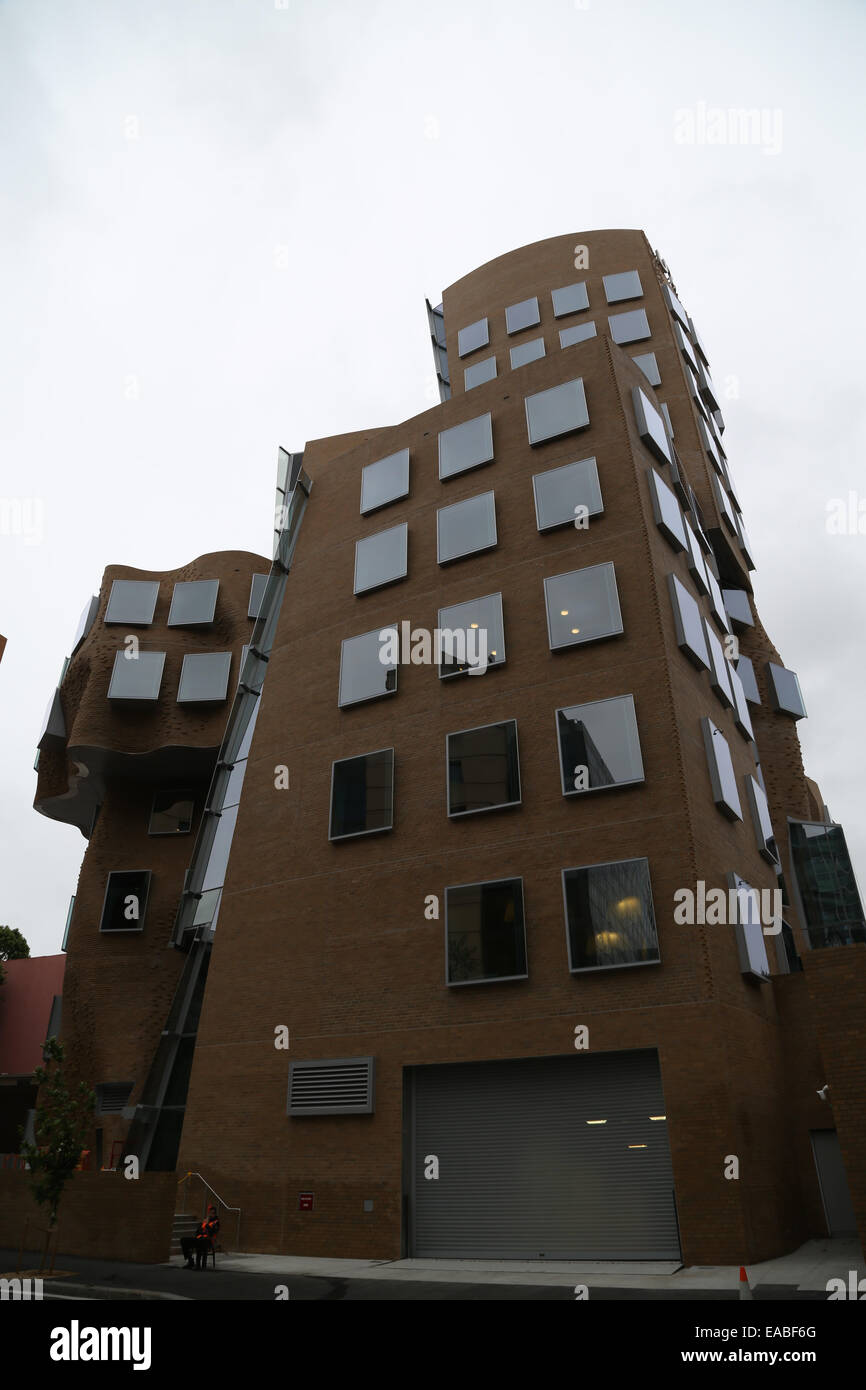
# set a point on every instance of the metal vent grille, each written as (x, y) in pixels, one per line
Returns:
(334, 1086)
(111, 1096)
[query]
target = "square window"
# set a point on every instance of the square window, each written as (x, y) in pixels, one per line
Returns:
(609, 915)
(598, 746)
(465, 446)
(570, 299)
(362, 795)
(786, 696)
(630, 327)
(577, 333)
(689, 627)
(132, 601)
(193, 603)
(204, 677)
(759, 807)
(471, 635)
(751, 947)
(625, 285)
(556, 412)
(582, 606)
(125, 901)
(649, 366)
(382, 558)
(560, 491)
(466, 528)
(650, 426)
(386, 480)
(483, 769)
(479, 372)
(675, 306)
(474, 336)
(746, 673)
(257, 593)
(484, 932)
(738, 607)
(522, 315)
(666, 510)
(722, 776)
(720, 667)
(695, 560)
(136, 678)
(172, 813)
(742, 718)
(527, 352)
(367, 666)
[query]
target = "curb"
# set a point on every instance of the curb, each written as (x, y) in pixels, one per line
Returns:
(107, 1293)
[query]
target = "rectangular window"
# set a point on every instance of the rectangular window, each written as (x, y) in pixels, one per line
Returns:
(598, 745)
(570, 299)
(688, 624)
(193, 603)
(824, 877)
(630, 327)
(650, 426)
(132, 601)
(204, 677)
(561, 491)
(483, 768)
(747, 926)
(720, 667)
(522, 315)
(742, 718)
(382, 558)
(474, 336)
(125, 901)
(685, 348)
(472, 634)
(723, 502)
(699, 343)
(695, 560)
(582, 606)
(721, 767)
(649, 366)
(738, 607)
(367, 668)
(527, 352)
(257, 593)
(556, 412)
(479, 372)
(666, 510)
(625, 285)
(717, 603)
(760, 810)
(786, 696)
(138, 677)
(465, 446)
(385, 481)
(172, 813)
(466, 528)
(746, 673)
(362, 794)
(577, 333)
(609, 916)
(675, 306)
(484, 932)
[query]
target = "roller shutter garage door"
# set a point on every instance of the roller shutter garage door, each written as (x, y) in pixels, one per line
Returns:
(522, 1175)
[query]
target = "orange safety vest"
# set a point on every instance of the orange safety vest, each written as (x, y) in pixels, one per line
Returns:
(208, 1229)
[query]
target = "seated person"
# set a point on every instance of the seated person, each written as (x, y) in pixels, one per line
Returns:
(201, 1242)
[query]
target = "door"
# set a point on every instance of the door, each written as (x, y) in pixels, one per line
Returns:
(833, 1180)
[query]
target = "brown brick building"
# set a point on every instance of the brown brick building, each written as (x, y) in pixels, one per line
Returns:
(450, 995)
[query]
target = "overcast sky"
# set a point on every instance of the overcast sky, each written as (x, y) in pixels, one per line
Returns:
(220, 219)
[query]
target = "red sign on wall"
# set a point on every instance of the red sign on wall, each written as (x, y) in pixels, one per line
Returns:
(305, 1201)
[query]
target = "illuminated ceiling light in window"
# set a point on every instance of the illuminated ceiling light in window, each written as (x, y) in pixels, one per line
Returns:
(596, 1122)
(658, 1117)
(637, 1146)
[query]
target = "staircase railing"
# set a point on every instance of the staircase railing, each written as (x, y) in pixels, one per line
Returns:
(184, 1183)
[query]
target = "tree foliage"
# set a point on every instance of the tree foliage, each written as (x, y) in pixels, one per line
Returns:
(63, 1119)
(13, 946)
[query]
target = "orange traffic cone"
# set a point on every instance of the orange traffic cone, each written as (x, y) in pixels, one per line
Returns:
(745, 1291)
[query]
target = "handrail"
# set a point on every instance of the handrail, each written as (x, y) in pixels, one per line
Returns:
(214, 1193)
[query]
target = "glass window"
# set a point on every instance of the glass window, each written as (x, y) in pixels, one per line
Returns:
(630, 327)
(649, 366)
(484, 930)
(362, 794)
(709, 446)
(471, 634)
(367, 670)
(675, 306)
(708, 390)
(172, 813)
(132, 601)
(386, 480)
(570, 299)
(85, 623)
(465, 528)
(474, 336)
(666, 510)
(465, 446)
(746, 673)
(738, 607)
(625, 285)
(125, 901)
(479, 372)
(257, 593)
(720, 667)
(560, 491)
(824, 876)
(695, 560)
(582, 606)
(666, 413)
(483, 768)
(609, 915)
(720, 613)
(689, 627)
(785, 693)
(598, 745)
(650, 426)
(759, 807)
(522, 315)
(556, 412)
(722, 776)
(742, 718)
(745, 543)
(577, 333)
(204, 676)
(685, 348)
(723, 502)
(527, 352)
(751, 947)
(138, 677)
(381, 558)
(698, 342)
(193, 603)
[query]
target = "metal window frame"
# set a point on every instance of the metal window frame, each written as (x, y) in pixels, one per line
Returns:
(581, 641)
(482, 598)
(613, 786)
(398, 496)
(382, 694)
(394, 578)
(131, 622)
(136, 699)
(500, 805)
(560, 468)
(709, 730)
(185, 793)
(521, 303)
(626, 965)
(126, 931)
(487, 979)
(192, 622)
(476, 550)
(359, 834)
